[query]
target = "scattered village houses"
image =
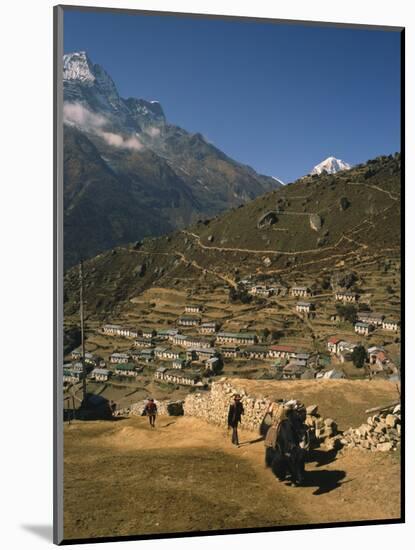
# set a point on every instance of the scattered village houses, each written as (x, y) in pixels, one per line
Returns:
(203, 354)
(117, 330)
(292, 371)
(148, 333)
(304, 307)
(188, 321)
(261, 290)
(332, 344)
(146, 355)
(390, 324)
(127, 369)
(187, 341)
(281, 351)
(179, 363)
(143, 342)
(256, 352)
(72, 374)
(236, 338)
(176, 376)
(167, 333)
(209, 327)
(230, 351)
(101, 375)
(119, 358)
(212, 364)
(370, 318)
(193, 308)
(302, 291)
(346, 297)
(363, 328)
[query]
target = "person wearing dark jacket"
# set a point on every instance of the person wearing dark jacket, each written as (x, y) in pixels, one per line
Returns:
(151, 410)
(236, 410)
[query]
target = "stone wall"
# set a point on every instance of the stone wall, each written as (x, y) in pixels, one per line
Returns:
(164, 408)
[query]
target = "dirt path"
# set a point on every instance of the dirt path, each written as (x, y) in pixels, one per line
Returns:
(199, 481)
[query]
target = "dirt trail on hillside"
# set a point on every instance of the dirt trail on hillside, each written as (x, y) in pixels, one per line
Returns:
(125, 462)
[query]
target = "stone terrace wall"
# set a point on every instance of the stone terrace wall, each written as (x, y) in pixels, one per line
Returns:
(213, 406)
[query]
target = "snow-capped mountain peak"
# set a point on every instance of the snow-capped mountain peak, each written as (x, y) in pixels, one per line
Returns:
(331, 165)
(77, 66)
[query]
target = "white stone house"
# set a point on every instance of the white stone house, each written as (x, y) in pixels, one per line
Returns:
(346, 297)
(333, 343)
(193, 308)
(208, 327)
(304, 307)
(390, 324)
(236, 338)
(101, 375)
(302, 291)
(119, 358)
(363, 328)
(188, 321)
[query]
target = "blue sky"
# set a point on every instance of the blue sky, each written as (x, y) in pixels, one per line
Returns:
(280, 98)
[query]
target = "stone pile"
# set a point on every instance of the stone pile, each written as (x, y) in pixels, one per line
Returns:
(323, 431)
(381, 432)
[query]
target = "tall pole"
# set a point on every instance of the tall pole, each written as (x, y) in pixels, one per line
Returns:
(81, 314)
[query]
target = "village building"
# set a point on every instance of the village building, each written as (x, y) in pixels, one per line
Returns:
(119, 358)
(292, 371)
(176, 376)
(203, 354)
(390, 324)
(146, 355)
(170, 353)
(193, 308)
(370, 318)
(302, 291)
(179, 363)
(111, 330)
(188, 321)
(72, 374)
(256, 352)
(167, 333)
(236, 338)
(346, 297)
(230, 351)
(260, 290)
(159, 352)
(143, 342)
(126, 369)
(363, 328)
(148, 333)
(209, 327)
(332, 344)
(118, 330)
(212, 364)
(281, 351)
(187, 341)
(343, 346)
(304, 307)
(101, 375)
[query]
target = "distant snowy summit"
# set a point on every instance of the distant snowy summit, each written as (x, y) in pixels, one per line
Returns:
(331, 165)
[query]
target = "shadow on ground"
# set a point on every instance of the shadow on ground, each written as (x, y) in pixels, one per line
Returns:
(44, 532)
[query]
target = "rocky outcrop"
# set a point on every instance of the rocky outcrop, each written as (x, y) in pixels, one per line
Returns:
(267, 219)
(316, 222)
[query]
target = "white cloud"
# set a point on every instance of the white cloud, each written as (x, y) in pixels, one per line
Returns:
(78, 115)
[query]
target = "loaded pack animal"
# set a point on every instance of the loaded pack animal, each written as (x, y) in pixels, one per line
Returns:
(286, 441)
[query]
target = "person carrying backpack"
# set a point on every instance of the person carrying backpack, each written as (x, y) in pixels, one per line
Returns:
(150, 410)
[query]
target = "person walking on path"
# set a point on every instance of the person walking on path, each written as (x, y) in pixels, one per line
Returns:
(236, 410)
(151, 411)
